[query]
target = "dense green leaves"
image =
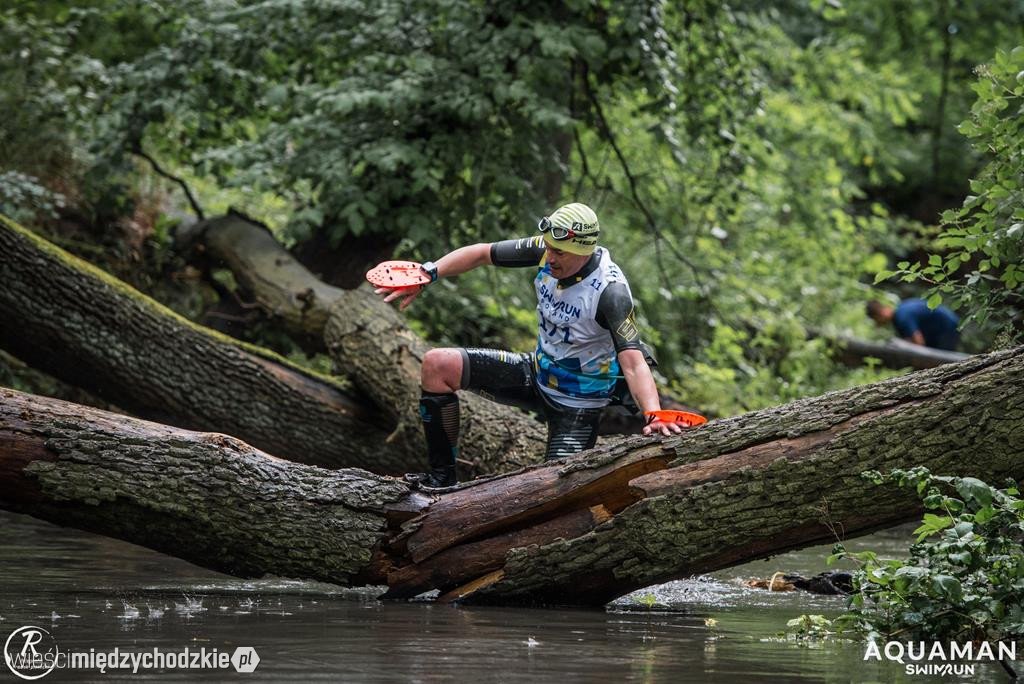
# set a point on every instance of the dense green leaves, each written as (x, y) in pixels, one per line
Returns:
(433, 121)
(964, 579)
(751, 162)
(752, 178)
(980, 268)
(46, 85)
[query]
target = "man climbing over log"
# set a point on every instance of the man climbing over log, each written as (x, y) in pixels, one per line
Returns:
(587, 341)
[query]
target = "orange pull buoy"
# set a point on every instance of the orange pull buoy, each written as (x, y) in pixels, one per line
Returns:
(397, 275)
(683, 418)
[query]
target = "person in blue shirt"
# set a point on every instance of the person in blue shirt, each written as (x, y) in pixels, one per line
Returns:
(914, 321)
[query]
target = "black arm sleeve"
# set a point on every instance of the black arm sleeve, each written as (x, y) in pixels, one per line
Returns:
(518, 253)
(615, 314)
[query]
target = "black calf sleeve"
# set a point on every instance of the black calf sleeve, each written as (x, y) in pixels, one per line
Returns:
(440, 415)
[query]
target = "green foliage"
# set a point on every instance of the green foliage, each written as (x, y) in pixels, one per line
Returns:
(749, 161)
(435, 121)
(46, 85)
(979, 267)
(487, 308)
(648, 600)
(964, 579)
(740, 372)
(810, 627)
(750, 179)
(934, 45)
(22, 197)
(54, 72)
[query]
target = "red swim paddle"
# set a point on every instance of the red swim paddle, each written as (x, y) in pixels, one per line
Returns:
(684, 418)
(397, 275)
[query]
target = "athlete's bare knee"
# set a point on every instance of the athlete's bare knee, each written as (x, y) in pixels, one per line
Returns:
(442, 370)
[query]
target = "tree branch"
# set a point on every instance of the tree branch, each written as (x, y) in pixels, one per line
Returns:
(583, 530)
(585, 170)
(138, 151)
(652, 225)
(940, 114)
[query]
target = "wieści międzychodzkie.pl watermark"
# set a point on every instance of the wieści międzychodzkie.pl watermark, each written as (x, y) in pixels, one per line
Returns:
(32, 653)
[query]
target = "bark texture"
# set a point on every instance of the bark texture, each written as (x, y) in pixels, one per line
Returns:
(578, 531)
(368, 340)
(752, 486)
(205, 497)
(66, 317)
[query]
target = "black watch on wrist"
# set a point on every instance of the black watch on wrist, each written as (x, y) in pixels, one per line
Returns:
(430, 268)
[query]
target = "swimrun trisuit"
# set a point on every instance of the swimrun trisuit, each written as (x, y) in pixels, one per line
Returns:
(584, 321)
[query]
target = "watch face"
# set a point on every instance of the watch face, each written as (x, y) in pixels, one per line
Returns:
(430, 268)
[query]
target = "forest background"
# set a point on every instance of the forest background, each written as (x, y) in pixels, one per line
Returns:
(760, 169)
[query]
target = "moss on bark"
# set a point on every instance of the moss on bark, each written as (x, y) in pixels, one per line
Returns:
(70, 319)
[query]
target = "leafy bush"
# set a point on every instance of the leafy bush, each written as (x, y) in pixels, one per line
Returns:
(433, 121)
(45, 87)
(22, 196)
(964, 579)
(745, 159)
(979, 268)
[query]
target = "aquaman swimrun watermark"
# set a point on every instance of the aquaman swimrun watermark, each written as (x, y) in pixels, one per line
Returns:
(32, 653)
(948, 658)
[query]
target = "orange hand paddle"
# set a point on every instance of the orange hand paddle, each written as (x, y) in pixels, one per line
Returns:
(397, 275)
(683, 418)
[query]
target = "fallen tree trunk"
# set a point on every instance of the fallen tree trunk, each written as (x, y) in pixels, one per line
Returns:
(205, 497)
(366, 338)
(895, 353)
(578, 531)
(68, 318)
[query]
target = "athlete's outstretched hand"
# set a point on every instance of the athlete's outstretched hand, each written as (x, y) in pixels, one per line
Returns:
(406, 293)
(667, 429)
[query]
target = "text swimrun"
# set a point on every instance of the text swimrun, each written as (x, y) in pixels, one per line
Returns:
(917, 651)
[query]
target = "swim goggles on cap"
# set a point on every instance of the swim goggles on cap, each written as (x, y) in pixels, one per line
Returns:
(557, 232)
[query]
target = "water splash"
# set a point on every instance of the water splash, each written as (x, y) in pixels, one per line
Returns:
(130, 612)
(190, 606)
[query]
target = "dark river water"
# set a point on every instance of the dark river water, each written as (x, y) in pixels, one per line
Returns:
(90, 592)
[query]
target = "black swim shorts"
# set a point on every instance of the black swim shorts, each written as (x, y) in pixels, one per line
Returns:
(508, 378)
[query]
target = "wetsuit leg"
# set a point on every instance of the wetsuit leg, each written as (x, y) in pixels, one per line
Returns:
(508, 378)
(495, 374)
(501, 376)
(440, 416)
(570, 430)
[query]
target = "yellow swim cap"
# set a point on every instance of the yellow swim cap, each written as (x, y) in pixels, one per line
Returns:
(572, 228)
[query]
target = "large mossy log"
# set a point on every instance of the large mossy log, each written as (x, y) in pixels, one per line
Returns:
(205, 497)
(576, 531)
(70, 319)
(368, 340)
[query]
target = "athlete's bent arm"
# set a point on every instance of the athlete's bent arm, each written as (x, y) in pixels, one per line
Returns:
(641, 386)
(451, 264)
